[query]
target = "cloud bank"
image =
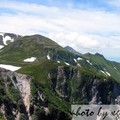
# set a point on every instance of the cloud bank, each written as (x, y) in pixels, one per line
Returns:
(87, 30)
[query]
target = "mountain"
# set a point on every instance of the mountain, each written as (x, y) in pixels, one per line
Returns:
(108, 68)
(47, 79)
(6, 38)
(70, 49)
(36, 46)
(100, 64)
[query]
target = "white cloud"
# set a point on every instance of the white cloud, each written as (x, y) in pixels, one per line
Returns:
(85, 30)
(85, 41)
(115, 3)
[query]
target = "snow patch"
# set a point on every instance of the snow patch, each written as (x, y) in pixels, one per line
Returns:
(48, 57)
(89, 62)
(7, 38)
(102, 72)
(9, 67)
(108, 73)
(2, 34)
(58, 61)
(67, 63)
(32, 59)
(75, 60)
(79, 58)
(1, 46)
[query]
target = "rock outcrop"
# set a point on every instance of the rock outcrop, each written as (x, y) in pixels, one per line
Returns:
(21, 83)
(21, 97)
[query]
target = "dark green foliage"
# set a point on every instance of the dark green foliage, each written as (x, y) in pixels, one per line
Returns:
(2, 116)
(10, 117)
(11, 98)
(2, 93)
(34, 92)
(23, 117)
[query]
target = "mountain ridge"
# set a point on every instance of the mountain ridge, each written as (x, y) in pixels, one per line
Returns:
(50, 79)
(42, 48)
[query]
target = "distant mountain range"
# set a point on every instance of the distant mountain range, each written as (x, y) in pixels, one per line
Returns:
(45, 78)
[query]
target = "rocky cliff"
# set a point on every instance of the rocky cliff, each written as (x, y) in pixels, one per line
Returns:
(14, 94)
(24, 98)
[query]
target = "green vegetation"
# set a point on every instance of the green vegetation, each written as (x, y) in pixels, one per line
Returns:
(39, 71)
(100, 63)
(2, 116)
(33, 46)
(39, 46)
(45, 77)
(51, 88)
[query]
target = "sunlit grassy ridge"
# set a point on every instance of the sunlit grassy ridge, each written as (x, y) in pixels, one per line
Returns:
(100, 63)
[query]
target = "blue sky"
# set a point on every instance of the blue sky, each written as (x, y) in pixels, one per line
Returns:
(86, 4)
(86, 25)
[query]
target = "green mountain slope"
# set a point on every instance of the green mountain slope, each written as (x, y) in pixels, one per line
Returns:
(47, 87)
(98, 63)
(43, 48)
(34, 46)
(109, 68)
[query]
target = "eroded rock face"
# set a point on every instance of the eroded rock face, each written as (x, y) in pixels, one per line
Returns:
(68, 84)
(71, 84)
(20, 82)
(61, 82)
(23, 83)
(94, 92)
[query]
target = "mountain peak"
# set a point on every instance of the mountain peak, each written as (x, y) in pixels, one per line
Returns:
(70, 49)
(98, 54)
